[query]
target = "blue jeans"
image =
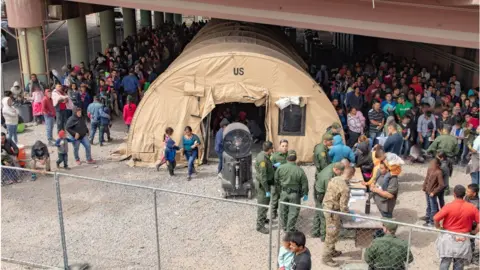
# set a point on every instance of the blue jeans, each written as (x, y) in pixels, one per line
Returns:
(76, 145)
(12, 133)
(464, 154)
(405, 148)
(191, 156)
(432, 207)
(441, 197)
(475, 177)
(62, 116)
(373, 138)
(93, 129)
(220, 161)
(426, 142)
(62, 158)
(49, 122)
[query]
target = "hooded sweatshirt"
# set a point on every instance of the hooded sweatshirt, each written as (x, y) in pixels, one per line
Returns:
(9, 112)
(340, 151)
(39, 150)
(76, 124)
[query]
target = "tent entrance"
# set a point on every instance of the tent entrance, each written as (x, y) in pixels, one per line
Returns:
(233, 112)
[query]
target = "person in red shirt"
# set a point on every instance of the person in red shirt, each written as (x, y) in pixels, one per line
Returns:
(48, 111)
(472, 122)
(129, 111)
(417, 87)
(457, 216)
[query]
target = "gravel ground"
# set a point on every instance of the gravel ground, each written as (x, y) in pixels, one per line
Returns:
(112, 227)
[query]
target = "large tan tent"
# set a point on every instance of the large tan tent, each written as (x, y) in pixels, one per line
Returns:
(233, 62)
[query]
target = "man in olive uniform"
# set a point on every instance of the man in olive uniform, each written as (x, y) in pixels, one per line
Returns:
(294, 185)
(278, 158)
(388, 252)
(334, 129)
(446, 143)
(264, 177)
(320, 188)
(320, 152)
(336, 199)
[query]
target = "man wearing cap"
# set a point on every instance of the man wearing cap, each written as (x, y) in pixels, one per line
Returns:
(278, 158)
(336, 199)
(334, 129)
(219, 143)
(320, 188)
(388, 252)
(293, 183)
(320, 153)
(264, 179)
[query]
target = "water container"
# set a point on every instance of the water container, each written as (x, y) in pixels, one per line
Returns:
(25, 111)
(22, 156)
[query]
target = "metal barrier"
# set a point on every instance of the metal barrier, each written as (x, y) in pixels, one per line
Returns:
(109, 224)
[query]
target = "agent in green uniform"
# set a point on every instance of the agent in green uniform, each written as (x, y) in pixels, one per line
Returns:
(320, 153)
(388, 252)
(320, 188)
(294, 185)
(446, 143)
(278, 158)
(334, 129)
(264, 177)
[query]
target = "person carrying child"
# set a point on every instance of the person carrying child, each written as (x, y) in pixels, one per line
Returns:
(62, 148)
(285, 255)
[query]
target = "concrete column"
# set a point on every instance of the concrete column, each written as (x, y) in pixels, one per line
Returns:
(168, 17)
(32, 53)
(158, 18)
(129, 22)
(107, 29)
(77, 40)
(351, 44)
(178, 19)
(145, 18)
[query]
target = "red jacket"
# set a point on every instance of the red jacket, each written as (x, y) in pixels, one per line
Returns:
(47, 106)
(128, 112)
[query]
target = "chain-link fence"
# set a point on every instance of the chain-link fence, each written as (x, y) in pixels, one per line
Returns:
(64, 219)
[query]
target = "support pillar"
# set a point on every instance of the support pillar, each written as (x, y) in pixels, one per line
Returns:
(145, 18)
(168, 17)
(178, 19)
(129, 22)
(158, 18)
(107, 29)
(32, 54)
(77, 40)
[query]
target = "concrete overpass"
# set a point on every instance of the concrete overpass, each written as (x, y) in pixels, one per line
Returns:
(445, 22)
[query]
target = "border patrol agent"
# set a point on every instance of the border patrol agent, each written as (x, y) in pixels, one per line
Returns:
(334, 129)
(320, 188)
(336, 199)
(294, 185)
(278, 158)
(320, 153)
(264, 177)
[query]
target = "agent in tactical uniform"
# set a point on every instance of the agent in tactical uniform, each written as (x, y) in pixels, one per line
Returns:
(264, 177)
(293, 183)
(334, 129)
(320, 188)
(336, 199)
(320, 153)
(278, 158)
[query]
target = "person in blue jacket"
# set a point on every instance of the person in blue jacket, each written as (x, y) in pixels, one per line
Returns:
(340, 151)
(170, 154)
(219, 143)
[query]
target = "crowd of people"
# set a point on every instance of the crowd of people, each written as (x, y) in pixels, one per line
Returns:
(85, 98)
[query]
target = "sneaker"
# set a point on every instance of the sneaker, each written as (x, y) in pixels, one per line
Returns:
(109, 139)
(101, 144)
(66, 168)
(91, 161)
(78, 162)
(424, 218)
(428, 224)
(263, 230)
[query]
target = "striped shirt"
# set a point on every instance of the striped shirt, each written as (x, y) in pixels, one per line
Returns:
(377, 116)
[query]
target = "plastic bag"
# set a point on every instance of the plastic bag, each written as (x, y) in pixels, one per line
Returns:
(393, 159)
(287, 101)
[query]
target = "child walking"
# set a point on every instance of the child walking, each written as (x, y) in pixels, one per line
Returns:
(62, 147)
(170, 152)
(104, 122)
(129, 111)
(285, 255)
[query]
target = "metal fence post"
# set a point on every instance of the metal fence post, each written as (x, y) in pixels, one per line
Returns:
(270, 236)
(279, 226)
(408, 248)
(60, 221)
(156, 226)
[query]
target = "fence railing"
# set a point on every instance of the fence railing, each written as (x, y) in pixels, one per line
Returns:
(64, 219)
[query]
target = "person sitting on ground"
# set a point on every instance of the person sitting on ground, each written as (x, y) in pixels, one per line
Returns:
(40, 154)
(457, 216)
(302, 259)
(388, 252)
(10, 148)
(340, 151)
